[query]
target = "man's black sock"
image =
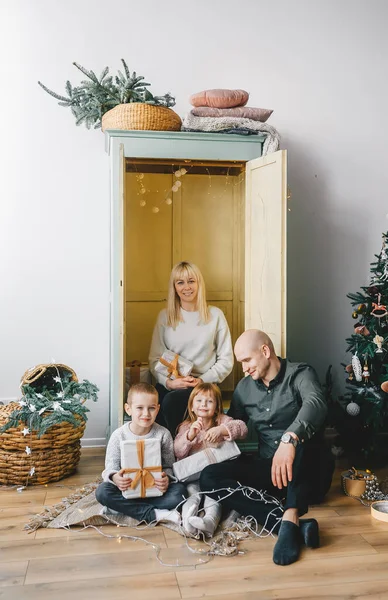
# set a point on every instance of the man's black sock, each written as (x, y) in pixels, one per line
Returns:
(287, 547)
(310, 532)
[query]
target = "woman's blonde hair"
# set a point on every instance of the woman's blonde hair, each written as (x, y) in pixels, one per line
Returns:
(208, 388)
(189, 270)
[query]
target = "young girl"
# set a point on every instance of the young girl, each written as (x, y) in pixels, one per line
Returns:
(206, 425)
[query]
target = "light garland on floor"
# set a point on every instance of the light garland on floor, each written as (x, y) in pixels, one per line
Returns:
(225, 543)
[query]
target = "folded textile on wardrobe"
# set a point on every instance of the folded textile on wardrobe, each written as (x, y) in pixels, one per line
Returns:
(221, 124)
(245, 112)
(189, 469)
(142, 462)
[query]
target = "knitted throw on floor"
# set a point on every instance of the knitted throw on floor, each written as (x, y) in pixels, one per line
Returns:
(226, 124)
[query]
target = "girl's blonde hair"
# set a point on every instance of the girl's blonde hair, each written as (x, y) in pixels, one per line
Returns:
(214, 391)
(191, 271)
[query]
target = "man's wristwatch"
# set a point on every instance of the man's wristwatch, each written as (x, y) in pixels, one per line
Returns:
(288, 439)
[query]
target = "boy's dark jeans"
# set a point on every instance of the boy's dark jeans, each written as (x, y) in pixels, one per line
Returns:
(141, 509)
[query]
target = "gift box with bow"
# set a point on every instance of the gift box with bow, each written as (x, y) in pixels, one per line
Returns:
(173, 366)
(141, 460)
(189, 469)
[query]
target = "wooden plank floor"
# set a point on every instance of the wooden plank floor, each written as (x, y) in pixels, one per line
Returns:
(351, 564)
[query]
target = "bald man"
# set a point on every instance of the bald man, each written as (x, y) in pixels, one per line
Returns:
(286, 406)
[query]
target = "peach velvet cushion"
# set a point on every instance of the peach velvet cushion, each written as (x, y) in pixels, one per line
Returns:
(242, 112)
(220, 98)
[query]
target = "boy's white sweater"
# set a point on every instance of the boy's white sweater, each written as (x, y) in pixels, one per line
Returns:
(207, 345)
(113, 452)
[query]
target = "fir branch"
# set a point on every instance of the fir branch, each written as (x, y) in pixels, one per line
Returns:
(90, 100)
(357, 298)
(54, 94)
(127, 72)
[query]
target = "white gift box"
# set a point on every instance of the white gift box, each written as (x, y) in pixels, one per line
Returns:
(189, 469)
(175, 365)
(143, 464)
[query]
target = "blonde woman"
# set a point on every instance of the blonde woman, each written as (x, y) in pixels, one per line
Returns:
(195, 331)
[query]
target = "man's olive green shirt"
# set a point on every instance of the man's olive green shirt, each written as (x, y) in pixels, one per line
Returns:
(293, 401)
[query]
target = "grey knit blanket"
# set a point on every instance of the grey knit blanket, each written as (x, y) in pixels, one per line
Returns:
(223, 124)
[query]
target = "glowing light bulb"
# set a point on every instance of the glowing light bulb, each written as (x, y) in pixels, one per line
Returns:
(142, 202)
(178, 184)
(155, 209)
(178, 173)
(140, 176)
(169, 201)
(143, 190)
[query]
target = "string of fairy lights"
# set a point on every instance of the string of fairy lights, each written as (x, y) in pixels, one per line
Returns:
(178, 175)
(168, 195)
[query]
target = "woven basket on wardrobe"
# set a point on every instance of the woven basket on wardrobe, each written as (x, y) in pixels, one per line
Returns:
(137, 115)
(54, 455)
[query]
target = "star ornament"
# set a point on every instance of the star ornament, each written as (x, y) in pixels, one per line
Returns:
(56, 406)
(57, 379)
(25, 431)
(32, 407)
(22, 403)
(60, 395)
(28, 450)
(32, 471)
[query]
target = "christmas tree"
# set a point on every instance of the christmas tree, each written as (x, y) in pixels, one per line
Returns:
(361, 415)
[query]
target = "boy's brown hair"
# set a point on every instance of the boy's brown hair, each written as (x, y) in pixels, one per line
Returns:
(141, 388)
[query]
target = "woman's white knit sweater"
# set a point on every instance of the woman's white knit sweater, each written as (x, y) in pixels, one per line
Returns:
(207, 345)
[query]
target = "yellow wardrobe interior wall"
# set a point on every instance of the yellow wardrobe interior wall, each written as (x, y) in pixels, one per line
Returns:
(204, 224)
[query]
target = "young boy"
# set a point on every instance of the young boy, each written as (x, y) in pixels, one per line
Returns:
(142, 405)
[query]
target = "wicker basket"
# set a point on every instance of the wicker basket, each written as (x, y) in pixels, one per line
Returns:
(57, 436)
(37, 375)
(54, 455)
(50, 465)
(136, 115)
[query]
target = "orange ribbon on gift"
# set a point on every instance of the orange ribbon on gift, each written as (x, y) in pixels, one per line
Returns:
(143, 474)
(172, 367)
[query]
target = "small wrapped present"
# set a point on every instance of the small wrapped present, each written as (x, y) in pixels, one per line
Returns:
(189, 469)
(136, 372)
(173, 366)
(141, 460)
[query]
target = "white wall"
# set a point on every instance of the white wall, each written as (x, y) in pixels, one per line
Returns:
(320, 64)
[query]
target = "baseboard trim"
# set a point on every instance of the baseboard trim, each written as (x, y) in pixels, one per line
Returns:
(93, 442)
(8, 400)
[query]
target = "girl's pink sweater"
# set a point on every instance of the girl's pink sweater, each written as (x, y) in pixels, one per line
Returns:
(184, 447)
